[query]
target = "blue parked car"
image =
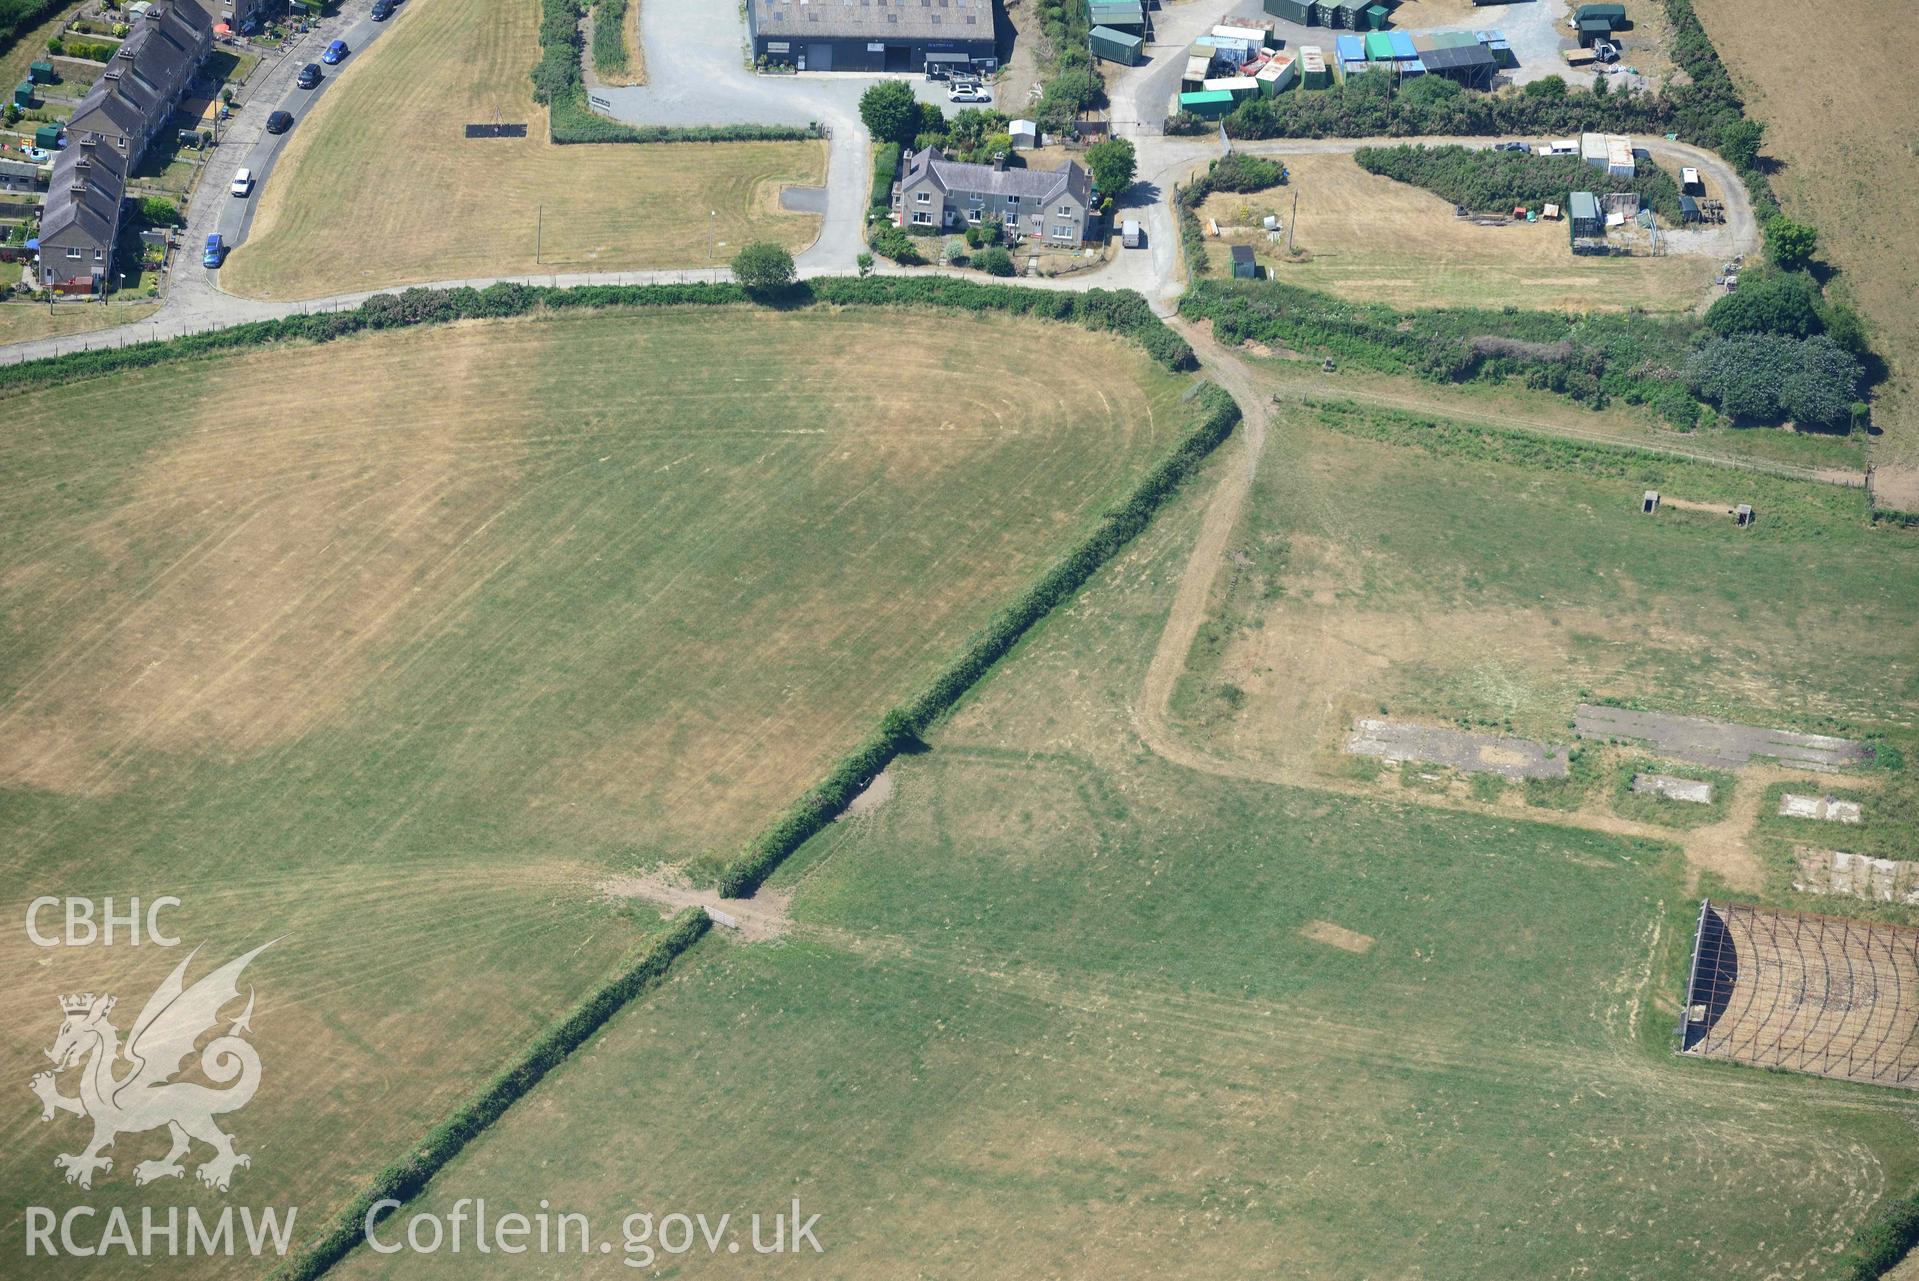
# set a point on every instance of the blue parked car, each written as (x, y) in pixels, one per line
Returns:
(216, 250)
(334, 52)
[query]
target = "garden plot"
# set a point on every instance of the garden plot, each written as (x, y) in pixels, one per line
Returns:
(1828, 809)
(1513, 758)
(1709, 742)
(1692, 790)
(1836, 872)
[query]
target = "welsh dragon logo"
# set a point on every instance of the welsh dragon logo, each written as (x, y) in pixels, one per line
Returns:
(146, 1097)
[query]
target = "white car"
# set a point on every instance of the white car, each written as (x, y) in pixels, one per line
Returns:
(968, 93)
(242, 183)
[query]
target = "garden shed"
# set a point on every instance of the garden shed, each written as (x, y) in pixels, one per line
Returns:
(1244, 265)
(1583, 215)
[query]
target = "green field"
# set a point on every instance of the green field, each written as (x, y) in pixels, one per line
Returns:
(1062, 1002)
(396, 647)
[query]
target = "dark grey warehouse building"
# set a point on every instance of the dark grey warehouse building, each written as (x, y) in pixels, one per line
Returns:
(873, 35)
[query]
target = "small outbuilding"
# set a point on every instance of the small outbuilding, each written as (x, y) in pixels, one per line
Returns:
(1025, 135)
(1244, 265)
(1206, 104)
(1584, 216)
(1115, 46)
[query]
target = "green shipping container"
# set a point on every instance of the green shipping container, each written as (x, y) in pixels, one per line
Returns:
(23, 94)
(1379, 47)
(1118, 16)
(47, 137)
(1299, 11)
(1115, 46)
(1207, 104)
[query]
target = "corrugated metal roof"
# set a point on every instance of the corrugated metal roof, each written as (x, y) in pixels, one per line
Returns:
(897, 19)
(1583, 204)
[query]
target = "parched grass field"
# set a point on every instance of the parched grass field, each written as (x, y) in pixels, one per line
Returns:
(20, 322)
(1057, 1001)
(403, 670)
(1841, 119)
(1372, 239)
(379, 185)
(1446, 573)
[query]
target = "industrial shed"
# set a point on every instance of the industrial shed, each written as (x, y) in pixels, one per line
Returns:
(885, 35)
(1469, 65)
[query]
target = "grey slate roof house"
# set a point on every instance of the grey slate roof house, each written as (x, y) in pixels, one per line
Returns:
(134, 97)
(1044, 204)
(81, 216)
(128, 106)
(872, 35)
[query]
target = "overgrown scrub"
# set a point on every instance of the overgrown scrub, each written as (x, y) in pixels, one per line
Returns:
(1591, 359)
(1214, 415)
(409, 1175)
(609, 38)
(886, 171)
(557, 85)
(1496, 181)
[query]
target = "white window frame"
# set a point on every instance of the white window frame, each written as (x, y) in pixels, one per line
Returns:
(973, 214)
(922, 197)
(922, 218)
(75, 253)
(1066, 211)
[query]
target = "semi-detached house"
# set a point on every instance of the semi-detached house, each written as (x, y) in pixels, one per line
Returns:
(108, 133)
(1048, 205)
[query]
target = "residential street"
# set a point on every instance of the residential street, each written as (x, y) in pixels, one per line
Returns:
(697, 76)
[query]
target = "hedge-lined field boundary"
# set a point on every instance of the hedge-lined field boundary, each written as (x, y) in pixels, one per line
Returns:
(1215, 413)
(1122, 312)
(408, 1176)
(559, 85)
(1885, 1240)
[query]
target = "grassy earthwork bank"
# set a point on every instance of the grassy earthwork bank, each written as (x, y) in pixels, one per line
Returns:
(1059, 1000)
(379, 186)
(404, 672)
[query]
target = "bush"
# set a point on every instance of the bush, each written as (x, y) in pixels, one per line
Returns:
(994, 261)
(158, 211)
(411, 1173)
(890, 242)
(763, 268)
(886, 171)
(1215, 414)
(1790, 244)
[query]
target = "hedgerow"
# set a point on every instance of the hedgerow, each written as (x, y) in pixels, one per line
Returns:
(1215, 413)
(1885, 1240)
(558, 85)
(407, 1176)
(1485, 181)
(1591, 359)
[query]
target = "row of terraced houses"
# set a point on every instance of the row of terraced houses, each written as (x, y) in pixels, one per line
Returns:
(129, 106)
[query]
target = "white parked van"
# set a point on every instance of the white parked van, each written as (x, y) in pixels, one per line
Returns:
(1129, 234)
(242, 183)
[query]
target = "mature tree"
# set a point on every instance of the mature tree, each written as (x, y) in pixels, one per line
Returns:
(1113, 163)
(1763, 377)
(1788, 243)
(763, 267)
(1784, 302)
(890, 112)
